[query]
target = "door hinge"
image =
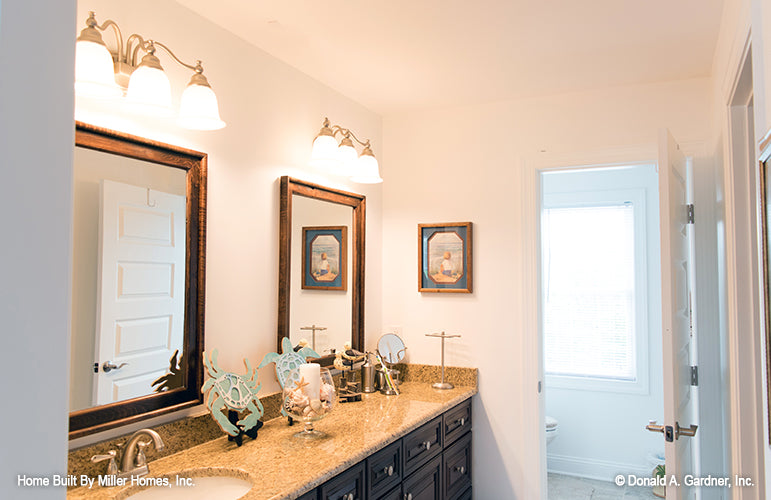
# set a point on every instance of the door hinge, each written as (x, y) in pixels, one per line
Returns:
(690, 213)
(694, 375)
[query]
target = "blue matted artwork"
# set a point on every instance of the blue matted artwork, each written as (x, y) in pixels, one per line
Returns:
(445, 257)
(325, 258)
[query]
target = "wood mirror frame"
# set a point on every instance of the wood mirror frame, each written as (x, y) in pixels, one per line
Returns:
(764, 210)
(357, 202)
(99, 418)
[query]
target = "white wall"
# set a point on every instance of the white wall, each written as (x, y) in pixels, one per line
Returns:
(471, 163)
(602, 432)
(36, 137)
(273, 112)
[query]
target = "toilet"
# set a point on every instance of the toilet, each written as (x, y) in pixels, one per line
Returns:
(551, 429)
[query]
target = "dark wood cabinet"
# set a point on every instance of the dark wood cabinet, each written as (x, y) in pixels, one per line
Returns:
(456, 422)
(456, 468)
(394, 494)
(422, 444)
(432, 462)
(348, 485)
(425, 483)
(311, 495)
(384, 470)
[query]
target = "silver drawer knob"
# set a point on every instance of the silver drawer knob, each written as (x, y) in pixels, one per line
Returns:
(408, 496)
(462, 422)
(427, 445)
(461, 469)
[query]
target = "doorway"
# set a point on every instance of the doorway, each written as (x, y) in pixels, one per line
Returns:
(601, 311)
(740, 281)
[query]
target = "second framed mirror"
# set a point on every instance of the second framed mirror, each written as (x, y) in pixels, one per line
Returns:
(321, 267)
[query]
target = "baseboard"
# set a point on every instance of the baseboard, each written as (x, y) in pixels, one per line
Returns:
(594, 469)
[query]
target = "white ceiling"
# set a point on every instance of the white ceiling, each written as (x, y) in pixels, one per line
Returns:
(396, 55)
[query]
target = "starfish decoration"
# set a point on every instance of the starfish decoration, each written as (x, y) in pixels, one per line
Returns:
(301, 383)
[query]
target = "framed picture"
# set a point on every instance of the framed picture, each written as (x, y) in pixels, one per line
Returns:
(444, 257)
(325, 258)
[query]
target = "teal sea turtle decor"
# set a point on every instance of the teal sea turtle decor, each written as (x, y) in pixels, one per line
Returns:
(237, 393)
(286, 362)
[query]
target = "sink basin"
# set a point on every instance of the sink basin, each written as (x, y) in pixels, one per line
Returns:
(221, 487)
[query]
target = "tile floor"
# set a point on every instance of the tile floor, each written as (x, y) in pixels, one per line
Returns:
(578, 488)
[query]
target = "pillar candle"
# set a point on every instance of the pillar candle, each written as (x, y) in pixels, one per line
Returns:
(311, 373)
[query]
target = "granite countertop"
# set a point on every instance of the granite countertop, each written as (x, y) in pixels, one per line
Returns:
(281, 466)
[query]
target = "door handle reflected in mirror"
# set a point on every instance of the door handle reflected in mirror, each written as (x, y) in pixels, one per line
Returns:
(109, 366)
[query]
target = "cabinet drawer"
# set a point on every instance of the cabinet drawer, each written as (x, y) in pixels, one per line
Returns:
(457, 468)
(342, 486)
(425, 483)
(456, 422)
(384, 469)
(422, 444)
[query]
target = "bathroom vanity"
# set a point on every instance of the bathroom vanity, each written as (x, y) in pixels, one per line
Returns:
(415, 445)
(433, 461)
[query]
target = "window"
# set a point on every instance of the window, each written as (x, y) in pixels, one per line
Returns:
(594, 290)
(589, 294)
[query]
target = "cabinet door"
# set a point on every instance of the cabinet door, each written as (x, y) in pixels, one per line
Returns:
(394, 494)
(348, 485)
(384, 469)
(425, 483)
(422, 445)
(466, 495)
(457, 468)
(457, 421)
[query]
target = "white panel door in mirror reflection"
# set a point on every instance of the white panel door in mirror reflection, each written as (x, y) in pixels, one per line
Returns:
(141, 298)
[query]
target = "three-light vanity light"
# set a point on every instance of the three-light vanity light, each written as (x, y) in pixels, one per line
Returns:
(342, 159)
(103, 73)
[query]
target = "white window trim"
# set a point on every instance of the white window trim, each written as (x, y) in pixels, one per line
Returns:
(603, 198)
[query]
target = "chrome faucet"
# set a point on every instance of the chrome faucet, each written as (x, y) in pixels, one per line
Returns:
(133, 461)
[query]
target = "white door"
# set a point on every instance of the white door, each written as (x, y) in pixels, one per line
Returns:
(679, 404)
(141, 308)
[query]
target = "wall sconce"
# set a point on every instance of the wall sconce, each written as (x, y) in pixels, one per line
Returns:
(342, 159)
(144, 84)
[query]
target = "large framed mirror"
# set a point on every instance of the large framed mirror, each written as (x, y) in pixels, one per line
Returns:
(139, 236)
(321, 267)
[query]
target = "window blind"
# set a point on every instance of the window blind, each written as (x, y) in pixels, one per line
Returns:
(589, 323)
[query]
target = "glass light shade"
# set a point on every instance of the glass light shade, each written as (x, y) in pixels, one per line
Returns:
(367, 170)
(94, 71)
(149, 92)
(198, 108)
(346, 156)
(324, 153)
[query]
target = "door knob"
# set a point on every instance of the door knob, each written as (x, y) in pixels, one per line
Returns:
(109, 366)
(653, 427)
(685, 431)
